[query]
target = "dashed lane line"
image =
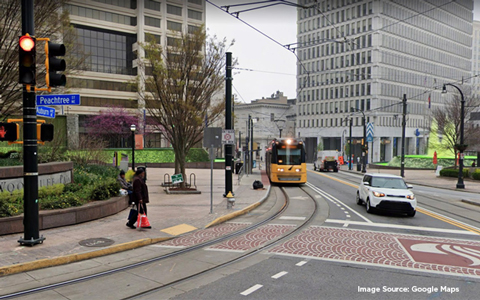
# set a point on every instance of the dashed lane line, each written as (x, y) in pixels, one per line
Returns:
(251, 290)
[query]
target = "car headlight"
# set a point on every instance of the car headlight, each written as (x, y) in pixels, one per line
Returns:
(411, 197)
(280, 170)
(377, 194)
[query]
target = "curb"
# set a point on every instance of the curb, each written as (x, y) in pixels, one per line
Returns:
(62, 260)
(240, 212)
(471, 202)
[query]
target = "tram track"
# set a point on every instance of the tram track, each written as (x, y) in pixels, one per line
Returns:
(190, 249)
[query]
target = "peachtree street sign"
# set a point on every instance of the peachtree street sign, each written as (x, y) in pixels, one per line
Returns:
(73, 99)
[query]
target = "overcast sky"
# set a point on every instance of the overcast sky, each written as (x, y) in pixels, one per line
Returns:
(270, 67)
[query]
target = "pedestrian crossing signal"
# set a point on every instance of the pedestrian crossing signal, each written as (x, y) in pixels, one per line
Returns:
(9, 132)
(45, 132)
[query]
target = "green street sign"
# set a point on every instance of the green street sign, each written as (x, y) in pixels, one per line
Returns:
(177, 178)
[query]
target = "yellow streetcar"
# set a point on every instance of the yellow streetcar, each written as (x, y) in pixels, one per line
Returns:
(285, 161)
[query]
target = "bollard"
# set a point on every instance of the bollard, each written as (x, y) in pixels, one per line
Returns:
(230, 200)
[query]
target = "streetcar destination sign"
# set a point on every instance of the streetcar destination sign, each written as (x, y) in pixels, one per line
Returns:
(71, 99)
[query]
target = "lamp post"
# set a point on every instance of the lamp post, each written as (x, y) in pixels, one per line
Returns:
(133, 128)
(364, 145)
(461, 147)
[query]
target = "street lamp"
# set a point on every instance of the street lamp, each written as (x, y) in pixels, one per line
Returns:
(364, 144)
(279, 128)
(461, 147)
(133, 128)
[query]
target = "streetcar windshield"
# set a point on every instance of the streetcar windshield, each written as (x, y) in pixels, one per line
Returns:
(289, 156)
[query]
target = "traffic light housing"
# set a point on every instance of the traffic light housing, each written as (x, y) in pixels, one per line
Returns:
(54, 64)
(9, 132)
(45, 132)
(26, 59)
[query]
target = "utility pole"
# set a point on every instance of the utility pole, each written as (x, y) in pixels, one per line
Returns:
(30, 160)
(350, 162)
(404, 124)
(228, 125)
(251, 146)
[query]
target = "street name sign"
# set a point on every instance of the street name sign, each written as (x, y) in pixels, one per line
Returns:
(70, 99)
(47, 112)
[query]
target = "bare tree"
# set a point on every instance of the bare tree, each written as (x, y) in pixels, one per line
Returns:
(447, 121)
(50, 21)
(180, 85)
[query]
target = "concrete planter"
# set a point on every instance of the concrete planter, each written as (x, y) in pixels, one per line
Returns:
(67, 216)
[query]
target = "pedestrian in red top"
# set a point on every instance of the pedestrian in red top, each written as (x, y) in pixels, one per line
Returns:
(140, 190)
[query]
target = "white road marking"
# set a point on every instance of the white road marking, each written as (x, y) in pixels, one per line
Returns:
(251, 290)
(301, 263)
(278, 275)
(335, 200)
(292, 218)
(386, 225)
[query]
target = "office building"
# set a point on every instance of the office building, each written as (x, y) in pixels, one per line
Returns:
(110, 33)
(366, 55)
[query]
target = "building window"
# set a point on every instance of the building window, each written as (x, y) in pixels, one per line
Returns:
(198, 2)
(193, 29)
(122, 3)
(149, 21)
(174, 26)
(174, 10)
(101, 15)
(106, 51)
(193, 14)
(153, 5)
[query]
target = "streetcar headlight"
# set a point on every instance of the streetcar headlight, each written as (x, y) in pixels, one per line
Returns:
(280, 170)
(297, 170)
(377, 194)
(411, 197)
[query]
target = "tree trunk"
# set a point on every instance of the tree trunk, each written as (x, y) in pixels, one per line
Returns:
(180, 157)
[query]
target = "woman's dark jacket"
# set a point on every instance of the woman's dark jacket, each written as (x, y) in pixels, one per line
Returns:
(140, 190)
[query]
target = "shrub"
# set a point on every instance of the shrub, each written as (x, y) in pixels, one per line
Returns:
(476, 174)
(52, 190)
(64, 200)
(72, 187)
(105, 189)
(453, 173)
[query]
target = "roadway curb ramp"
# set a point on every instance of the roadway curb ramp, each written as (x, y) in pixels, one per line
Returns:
(239, 212)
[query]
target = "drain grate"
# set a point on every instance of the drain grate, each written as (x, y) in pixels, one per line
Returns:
(97, 242)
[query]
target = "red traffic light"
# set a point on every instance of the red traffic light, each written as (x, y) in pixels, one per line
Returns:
(26, 43)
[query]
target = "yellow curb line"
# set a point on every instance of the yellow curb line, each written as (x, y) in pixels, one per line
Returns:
(62, 260)
(233, 215)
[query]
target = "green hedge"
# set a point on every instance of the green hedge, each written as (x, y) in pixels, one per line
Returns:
(476, 174)
(453, 173)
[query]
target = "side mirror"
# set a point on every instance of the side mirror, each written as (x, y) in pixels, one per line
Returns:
(409, 186)
(366, 183)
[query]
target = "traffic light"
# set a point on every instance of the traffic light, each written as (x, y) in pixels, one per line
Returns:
(26, 59)
(9, 132)
(45, 132)
(54, 65)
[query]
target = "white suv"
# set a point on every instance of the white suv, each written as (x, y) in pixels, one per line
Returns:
(386, 192)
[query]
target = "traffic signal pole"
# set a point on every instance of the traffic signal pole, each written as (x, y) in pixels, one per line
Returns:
(30, 160)
(228, 125)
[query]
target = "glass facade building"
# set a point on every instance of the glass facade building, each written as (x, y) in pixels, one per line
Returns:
(109, 33)
(364, 55)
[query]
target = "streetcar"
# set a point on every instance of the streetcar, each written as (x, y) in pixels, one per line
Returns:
(285, 161)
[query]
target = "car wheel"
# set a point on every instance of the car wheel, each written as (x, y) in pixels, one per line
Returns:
(412, 213)
(359, 201)
(369, 208)
(335, 170)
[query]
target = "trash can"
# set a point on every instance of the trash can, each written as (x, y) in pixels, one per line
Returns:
(238, 166)
(359, 167)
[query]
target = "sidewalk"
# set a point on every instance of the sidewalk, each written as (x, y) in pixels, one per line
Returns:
(169, 214)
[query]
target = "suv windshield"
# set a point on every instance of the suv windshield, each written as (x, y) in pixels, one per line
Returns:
(389, 183)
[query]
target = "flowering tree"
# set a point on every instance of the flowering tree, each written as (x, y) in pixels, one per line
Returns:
(111, 123)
